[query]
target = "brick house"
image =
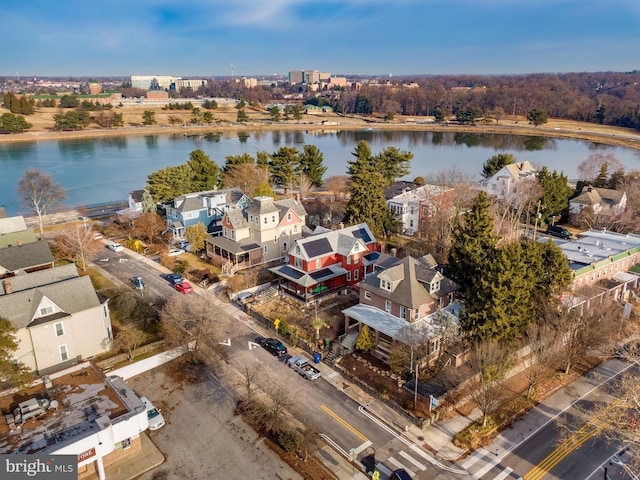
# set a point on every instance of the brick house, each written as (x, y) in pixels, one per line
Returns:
(404, 303)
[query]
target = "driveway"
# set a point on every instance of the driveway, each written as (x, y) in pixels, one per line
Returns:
(203, 438)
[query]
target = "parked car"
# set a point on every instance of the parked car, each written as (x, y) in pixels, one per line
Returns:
(174, 278)
(183, 287)
(137, 282)
(304, 368)
(184, 245)
(97, 236)
(400, 474)
(175, 251)
(156, 420)
(557, 231)
(273, 346)
(116, 247)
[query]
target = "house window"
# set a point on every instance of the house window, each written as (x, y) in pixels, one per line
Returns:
(59, 329)
(348, 259)
(251, 219)
(64, 355)
(416, 313)
(435, 344)
(356, 247)
(295, 227)
(356, 259)
(403, 312)
(266, 249)
(298, 263)
(284, 246)
(44, 311)
(297, 248)
(367, 295)
(265, 220)
(387, 306)
(355, 274)
(318, 264)
(348, 276)
(273, 219)
(288, 216)
(257, 220)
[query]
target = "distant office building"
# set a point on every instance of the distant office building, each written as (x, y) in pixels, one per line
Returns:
(192, 83)
(308, 76)
(249, 82)
(154, 82)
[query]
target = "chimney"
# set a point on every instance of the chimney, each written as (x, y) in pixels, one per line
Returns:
(19, 243)
(520, 165)
(7, 287)
(298, 197)
(394, 252)
(589, 188)
(341, 225)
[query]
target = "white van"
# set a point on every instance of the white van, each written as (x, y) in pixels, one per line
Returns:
(156, 420)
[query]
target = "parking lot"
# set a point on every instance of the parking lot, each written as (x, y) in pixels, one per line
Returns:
(203, 438)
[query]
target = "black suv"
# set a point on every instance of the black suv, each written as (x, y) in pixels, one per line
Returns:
(273, 346)
(557, 231)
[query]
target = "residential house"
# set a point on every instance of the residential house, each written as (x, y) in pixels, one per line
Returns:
(510, 181)
(327, 261)
(414, 204)
(25, 258)
(409, 302)
(604, 202)
(135, 200)
(260, 233)
(60, 318)
(14, 232)
(207, 208)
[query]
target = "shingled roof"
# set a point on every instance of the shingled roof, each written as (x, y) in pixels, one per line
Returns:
(595, 196)
(24, 257)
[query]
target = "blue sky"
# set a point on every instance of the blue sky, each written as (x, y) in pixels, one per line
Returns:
(369, 37)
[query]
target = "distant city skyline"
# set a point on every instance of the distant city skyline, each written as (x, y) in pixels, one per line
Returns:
(344, 37)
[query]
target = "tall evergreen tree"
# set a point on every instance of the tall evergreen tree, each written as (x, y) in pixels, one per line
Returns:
(472, 243)
(363, 159)
(367, 203)
(555, 199)
(205, 173)
(233, 160)
(311, 164)
(283, 167)
(393, 164)
(170, 182)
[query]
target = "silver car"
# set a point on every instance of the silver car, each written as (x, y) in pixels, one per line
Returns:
(156, 420)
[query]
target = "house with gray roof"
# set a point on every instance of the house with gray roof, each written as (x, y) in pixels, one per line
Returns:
(408, 302)
(328, 261)
(259, 233)
(207, 208)
(603, 202)
(60, 318)
(25, 258)
(14, 232)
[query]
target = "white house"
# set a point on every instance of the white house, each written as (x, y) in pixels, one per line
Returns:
(509, 181)
(60, 318)
(412, 204)
(604, 202)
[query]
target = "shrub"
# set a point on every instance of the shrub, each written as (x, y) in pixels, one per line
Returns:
(288, 441)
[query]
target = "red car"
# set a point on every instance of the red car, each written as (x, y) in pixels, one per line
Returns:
(184, 287)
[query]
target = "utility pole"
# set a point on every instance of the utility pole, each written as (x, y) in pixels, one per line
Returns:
(535, 227)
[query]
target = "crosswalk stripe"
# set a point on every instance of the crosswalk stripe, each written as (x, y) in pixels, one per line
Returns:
(471, 459)
(412, 460)
(397, 464)
(383, 468)
(423, 454)
(366, 444)
(504, 474)
(490, 464)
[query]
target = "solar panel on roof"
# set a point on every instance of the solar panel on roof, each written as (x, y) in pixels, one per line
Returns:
(291, 272)
(325, 272)
(372, 256)
(362, 234)
(318, 247)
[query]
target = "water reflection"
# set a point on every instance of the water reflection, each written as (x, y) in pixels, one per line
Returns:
(533, 144)
(77, 149)
(243, 136)
(151, 141)
(9, 151)
(117, 142)
(212, 137)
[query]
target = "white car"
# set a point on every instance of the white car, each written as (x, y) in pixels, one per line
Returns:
(175, 251)
(116, 247)
(156, 420)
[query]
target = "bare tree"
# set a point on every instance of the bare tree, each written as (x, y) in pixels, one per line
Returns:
(251, 372)
(149, 226)
(40, 193)
(487, 363)
(590, 168)
(279, 400)
(76, 243)
(541, 340)
(192, 320)
(246, 176)
(128, 340)
(338, 185)
(305, 186)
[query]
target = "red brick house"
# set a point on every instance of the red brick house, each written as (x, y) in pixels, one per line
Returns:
(327, 261)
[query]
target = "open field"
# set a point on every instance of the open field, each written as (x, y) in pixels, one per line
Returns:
(260, 120)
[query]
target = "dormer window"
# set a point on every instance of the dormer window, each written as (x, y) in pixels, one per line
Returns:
(356, 247)
(289, 216)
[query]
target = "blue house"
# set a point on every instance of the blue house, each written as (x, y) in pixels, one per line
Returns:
(206, 207)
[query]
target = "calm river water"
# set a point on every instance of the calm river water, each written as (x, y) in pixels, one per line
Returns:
(107, 169)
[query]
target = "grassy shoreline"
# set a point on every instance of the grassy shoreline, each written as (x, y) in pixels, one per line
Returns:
(555, 128)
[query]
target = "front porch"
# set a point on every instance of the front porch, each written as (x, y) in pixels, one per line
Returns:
(232, 256)
(313, 286)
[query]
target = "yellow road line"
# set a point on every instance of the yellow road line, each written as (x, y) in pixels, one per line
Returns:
(587, 431)
(343, 422)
